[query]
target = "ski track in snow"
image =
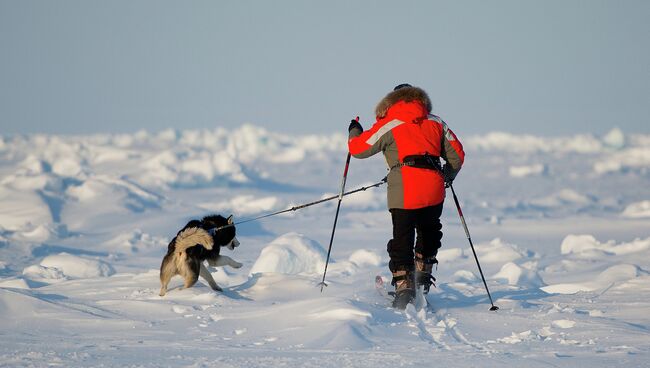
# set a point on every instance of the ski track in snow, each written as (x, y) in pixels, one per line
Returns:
(561, 227)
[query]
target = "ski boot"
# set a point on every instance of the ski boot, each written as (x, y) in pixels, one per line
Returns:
(404, 289)
(423, 268)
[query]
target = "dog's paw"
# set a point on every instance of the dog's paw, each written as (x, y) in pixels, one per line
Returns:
(216, 287)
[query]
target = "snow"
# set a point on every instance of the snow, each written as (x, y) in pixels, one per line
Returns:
(514, 274)
(527, 170)
(14, 284)
(244, 205)
(615, 138)
(365, 257)
(497, 251)
(291, 254)
(560, 226)
(588, 246)
(77, 267)
(605, 279)
(22, 209)
(528, 144)
(43, 273)
(637, 210)
(564, 323)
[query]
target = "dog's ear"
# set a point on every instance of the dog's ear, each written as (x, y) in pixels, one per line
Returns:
(230, 221)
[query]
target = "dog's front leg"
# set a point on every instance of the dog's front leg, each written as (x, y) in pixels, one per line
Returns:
(224, 261)
(205, 273)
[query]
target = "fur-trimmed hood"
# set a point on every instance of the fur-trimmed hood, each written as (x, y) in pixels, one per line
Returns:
(406, 94)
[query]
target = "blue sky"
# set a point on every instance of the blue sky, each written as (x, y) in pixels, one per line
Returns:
(539, 67)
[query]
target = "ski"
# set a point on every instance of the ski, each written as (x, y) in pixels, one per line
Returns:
(381, 289)
(420, 302)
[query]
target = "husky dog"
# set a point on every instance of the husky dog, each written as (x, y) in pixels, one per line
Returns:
(196, 242)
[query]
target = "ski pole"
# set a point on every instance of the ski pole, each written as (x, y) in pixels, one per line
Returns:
(338, 207)
(462, 220)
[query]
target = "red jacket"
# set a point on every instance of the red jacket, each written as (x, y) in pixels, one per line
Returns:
(405, 127)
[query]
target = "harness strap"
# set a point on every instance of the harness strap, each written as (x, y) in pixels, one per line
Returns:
(425, 161)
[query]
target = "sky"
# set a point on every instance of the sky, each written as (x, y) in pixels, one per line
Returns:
(535, 67)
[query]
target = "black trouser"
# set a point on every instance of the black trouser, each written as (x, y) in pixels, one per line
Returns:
(426, 221)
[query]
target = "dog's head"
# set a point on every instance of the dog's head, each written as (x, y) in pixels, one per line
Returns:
(222, 230)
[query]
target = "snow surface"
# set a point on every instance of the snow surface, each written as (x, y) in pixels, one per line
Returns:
(561, 226)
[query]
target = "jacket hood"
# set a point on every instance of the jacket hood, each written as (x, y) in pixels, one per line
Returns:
(406, 94)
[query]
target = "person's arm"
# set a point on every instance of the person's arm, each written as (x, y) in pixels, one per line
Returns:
(365, 144)
(452, 152)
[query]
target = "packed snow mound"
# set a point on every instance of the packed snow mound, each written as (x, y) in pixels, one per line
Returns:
(245, 205)
(205, 158)
(364, 257)
(615, 151)
(44, 274)
(499, 141)
(637, 210)
(527, 170)
(190, 158)
(614, 139)
(23, 208)
(464, 276)
(291, 253)
(14, 283)
(77, 267)
(525, 275)
(32, 165)
(58, 155)
(609, 277)
(191, 168)
(498, 251)
(563, 323)
(347, 336)
(586, 246)
(39, 233)
(451, 254)
(364, 200)
(133, 196)
(628, 159)
(105, 195)
(137, 241)
(562, 198)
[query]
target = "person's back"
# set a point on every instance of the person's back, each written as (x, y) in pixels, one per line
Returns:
(412, 141)
(405, 128)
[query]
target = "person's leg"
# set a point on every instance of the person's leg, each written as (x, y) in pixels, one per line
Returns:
(429, 234)
(429, 230)
(400, 250)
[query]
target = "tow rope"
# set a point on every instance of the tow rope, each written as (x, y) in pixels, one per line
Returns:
(299, 207)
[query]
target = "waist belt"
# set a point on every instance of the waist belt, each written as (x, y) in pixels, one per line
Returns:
(420, 162)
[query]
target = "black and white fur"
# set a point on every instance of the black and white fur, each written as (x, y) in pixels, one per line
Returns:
(199, 241)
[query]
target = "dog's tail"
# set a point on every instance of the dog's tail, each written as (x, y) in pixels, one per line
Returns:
(191, 237)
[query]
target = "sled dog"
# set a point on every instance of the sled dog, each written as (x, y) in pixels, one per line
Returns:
(200, 240)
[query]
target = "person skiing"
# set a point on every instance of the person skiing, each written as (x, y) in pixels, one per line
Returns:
(412, 141)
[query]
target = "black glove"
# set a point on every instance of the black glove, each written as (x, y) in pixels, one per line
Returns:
(449, 174)
(354, 124)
